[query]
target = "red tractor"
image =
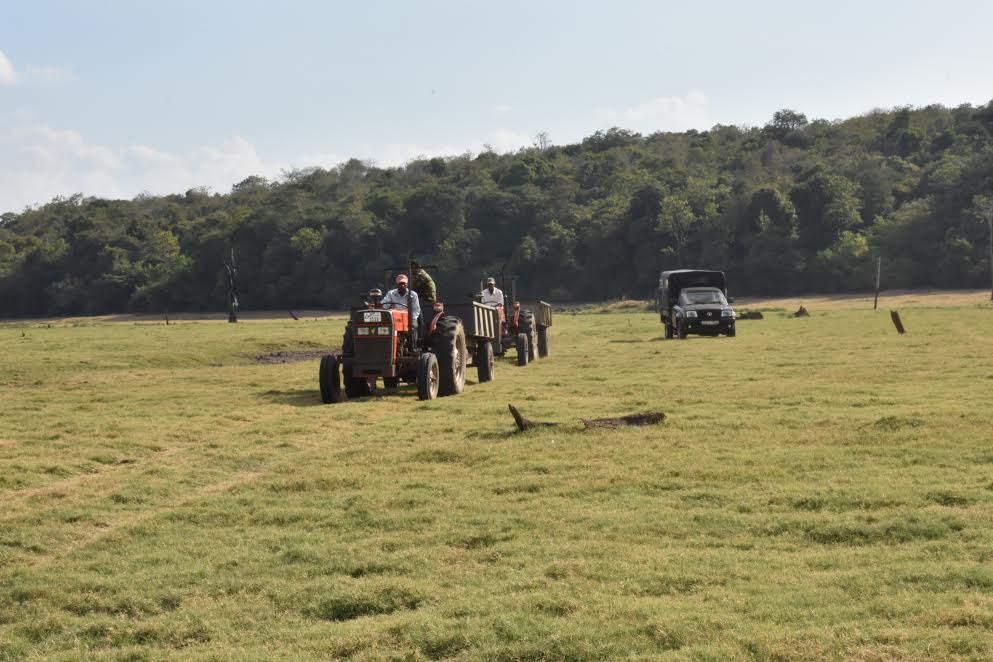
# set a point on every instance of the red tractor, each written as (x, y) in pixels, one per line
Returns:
(524, 329)
(380, 343)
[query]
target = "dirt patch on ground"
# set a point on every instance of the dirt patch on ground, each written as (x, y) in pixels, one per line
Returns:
(5, 443)
(284, 356)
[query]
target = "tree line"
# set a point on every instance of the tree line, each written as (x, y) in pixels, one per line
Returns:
(793, 206)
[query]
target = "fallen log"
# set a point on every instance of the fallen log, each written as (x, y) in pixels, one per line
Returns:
(524, 424)
(653, 418)
(895, 316)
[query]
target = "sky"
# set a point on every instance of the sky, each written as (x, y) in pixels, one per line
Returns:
(115, 98)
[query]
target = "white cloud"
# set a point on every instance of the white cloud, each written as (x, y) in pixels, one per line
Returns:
(506, 140)
(675, 113)
(8, 76)
(502, 109)
(38, 162)
(31, 74)
(46, 74)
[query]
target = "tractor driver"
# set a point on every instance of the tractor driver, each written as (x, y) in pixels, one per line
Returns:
(492, 295)
(397, 298)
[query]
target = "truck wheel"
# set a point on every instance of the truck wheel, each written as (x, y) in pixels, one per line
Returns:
(542, 341)
(527, 326)
(522, 349)
(330, 379)
(731, 333)
(448, 345)
(427, 376)
(484, 362)
(681, 330)
(669, 333)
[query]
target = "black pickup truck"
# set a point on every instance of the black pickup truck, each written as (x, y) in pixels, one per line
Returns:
(694, 301)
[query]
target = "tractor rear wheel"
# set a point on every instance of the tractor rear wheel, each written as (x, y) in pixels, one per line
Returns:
(542, 341)
(355, 387)
(527, 326)
(484, 362)
(427, 376)
(448, 344)
(330, 378)
(522, 349)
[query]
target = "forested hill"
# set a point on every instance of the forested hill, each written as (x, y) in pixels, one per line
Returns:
(793, 206)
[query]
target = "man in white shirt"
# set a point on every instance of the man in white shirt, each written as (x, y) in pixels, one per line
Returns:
(397, 298)
(492, 295)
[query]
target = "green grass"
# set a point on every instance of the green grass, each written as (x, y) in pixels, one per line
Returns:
(821, 489)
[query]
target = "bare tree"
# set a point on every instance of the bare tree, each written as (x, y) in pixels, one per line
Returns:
(232, 270)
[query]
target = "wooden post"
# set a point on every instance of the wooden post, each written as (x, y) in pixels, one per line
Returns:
(879, 269)
(895, 316)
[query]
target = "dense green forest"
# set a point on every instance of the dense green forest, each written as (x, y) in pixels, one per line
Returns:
(794, 206)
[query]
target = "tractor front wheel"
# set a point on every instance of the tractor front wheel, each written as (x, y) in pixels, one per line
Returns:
(448, 344)
(391, 382)
(427, 376)
(522, 349)
(330, 379)
(542, 341)
(484, 362)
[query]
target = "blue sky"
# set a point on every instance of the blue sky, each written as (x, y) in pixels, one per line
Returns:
(115, 98)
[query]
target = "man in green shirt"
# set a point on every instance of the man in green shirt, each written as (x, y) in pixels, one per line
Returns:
(423, 284)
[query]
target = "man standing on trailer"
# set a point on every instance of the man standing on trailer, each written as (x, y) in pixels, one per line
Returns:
(423, 285)
(492, 295)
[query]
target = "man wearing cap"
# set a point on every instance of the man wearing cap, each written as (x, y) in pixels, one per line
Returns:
(423, 285)
(492, 295)
(397, 298)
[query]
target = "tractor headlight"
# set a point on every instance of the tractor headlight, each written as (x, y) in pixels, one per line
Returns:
(362, 330)
(727, 312)
(691, 313)
(383, 330)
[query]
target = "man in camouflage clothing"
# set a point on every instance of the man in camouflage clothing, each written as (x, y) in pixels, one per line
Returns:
(423, 284)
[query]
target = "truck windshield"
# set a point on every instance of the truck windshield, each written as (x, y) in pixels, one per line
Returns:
(713, 296)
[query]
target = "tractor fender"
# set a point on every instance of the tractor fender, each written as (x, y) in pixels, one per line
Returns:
(434, 322)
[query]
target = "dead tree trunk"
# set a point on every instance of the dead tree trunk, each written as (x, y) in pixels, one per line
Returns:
(524, 424)
(232, 271)
(895, 316)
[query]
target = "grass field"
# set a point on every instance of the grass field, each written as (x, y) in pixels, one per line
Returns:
(822, 489)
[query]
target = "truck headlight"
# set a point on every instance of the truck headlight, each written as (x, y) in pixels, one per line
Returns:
(727, 312)
(691, 313)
